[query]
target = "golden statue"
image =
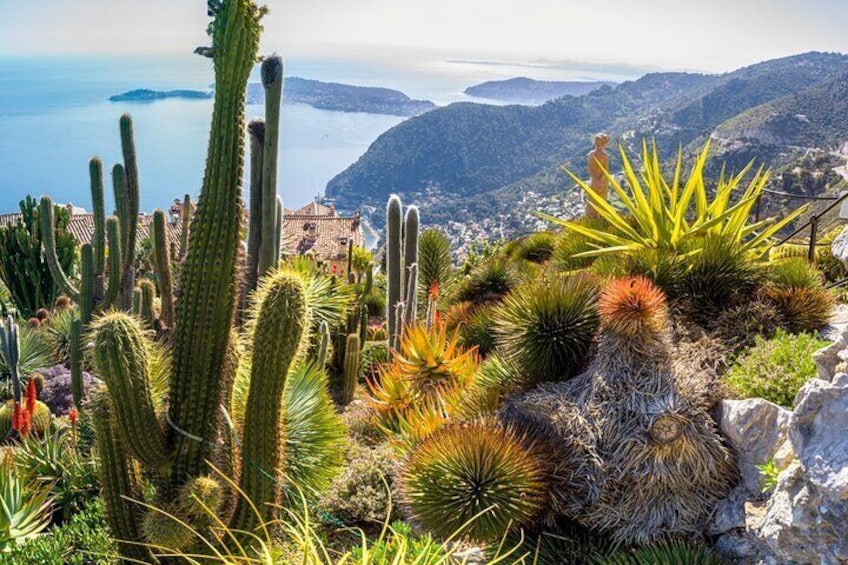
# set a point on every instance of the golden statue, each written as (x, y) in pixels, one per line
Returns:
(598, 164)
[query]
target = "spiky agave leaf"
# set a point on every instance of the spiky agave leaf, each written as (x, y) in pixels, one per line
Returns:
(633, 307)
(478, 475)
(24, 504)
(663, 215)
(314, 432)
(546, 327)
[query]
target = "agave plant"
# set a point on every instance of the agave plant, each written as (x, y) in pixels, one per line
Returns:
(25, 505)
(477, 476)
(434, 260)
(546, 327)
(665, 215)
(422, 384)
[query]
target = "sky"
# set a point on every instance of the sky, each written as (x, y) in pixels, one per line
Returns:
(708, 35)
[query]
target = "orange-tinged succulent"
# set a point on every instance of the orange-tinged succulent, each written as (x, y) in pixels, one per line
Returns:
(633, 306)
(430, 370)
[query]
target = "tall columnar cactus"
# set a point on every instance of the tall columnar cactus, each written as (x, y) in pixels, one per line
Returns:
(394, 264)
(147, 312)
(185, 222)
(353, 351)
(256, 130)
(162, 266)
(10, 347)
(131, 196)
(401, 257)
(205, 308)
(98, 240)
(281, 318)
(77, 388)
(272, 82)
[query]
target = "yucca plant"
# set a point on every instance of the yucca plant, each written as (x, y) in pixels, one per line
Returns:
(546, 327)
(314, 432)
(665, 215)
(570, 245)
(435, 265)
(672, 552)
(476, 474)
(25, 505)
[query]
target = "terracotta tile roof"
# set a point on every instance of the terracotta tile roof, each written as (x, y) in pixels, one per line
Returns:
(314, 227)
(81, 227)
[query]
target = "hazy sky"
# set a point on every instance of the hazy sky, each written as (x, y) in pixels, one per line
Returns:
(705, 34)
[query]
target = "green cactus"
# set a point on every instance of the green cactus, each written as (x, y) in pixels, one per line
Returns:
(98, 240)
(86, 295)
(39, 420)
(120, 483)
(278, 230)
(162, 267)
(76, 362)
(394, 264)
(205, 308)
(272, 82)
(410, 247)
(353, 350)
(10, 348)
(131, 194)
(136, 307)
(324, 346)
(120, 359)
(185, 220)
(256, 129)
(281, 318)
(147, 312)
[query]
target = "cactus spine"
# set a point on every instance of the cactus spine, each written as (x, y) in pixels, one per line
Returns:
(394, 267)
(272, 82)
(351, 368)
(281, 317)
(162, 264)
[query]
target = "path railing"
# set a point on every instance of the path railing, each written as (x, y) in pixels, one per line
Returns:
(812, 223)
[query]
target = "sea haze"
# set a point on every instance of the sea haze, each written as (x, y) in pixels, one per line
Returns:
(55, 115)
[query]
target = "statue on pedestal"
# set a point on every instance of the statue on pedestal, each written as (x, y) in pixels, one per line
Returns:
(598, 164)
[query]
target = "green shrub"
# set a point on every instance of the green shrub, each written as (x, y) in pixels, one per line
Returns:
(84, 540)
(546, 327)
(360, 494)
(401, 545)
(775, 369)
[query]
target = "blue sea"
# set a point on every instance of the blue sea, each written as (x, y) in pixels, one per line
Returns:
(55, 115)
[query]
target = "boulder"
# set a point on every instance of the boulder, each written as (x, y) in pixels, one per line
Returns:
(806, 519)
(839, 247)
(819, 432)
(758, 431)
(827, 358)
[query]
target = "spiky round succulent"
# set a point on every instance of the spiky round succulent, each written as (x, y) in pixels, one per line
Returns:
(803, 309)
(632, 307)
(199, 498)
(537, 247)
(165, 530)
(39, 419)
(546, 327)
(478, 478)
(490, 280)
(670, 552)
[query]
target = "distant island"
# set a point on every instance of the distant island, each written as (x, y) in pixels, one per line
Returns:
(523, 90)
(147, 95)
(321, 95)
